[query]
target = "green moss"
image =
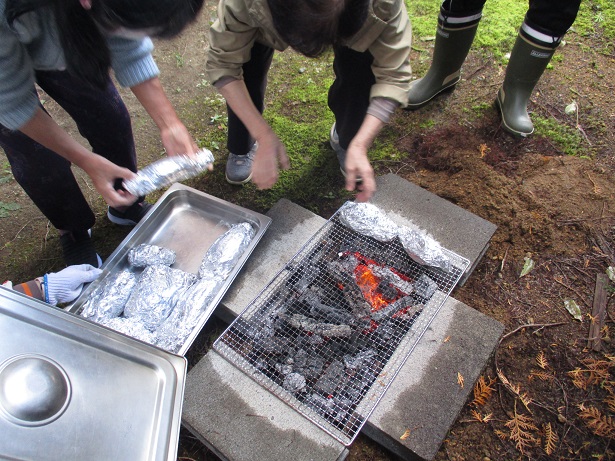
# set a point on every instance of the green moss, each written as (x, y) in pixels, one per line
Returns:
(566, 138)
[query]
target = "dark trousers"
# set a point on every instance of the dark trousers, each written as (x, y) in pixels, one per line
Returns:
(348, 96)
(552, 17)
(255, 77)
(101, 117)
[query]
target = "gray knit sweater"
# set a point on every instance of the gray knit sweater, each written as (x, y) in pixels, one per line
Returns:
(32, 43)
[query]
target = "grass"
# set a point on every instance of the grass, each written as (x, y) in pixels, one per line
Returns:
(296, 105)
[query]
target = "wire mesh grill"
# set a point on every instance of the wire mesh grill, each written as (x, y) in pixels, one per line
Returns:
(329, 333)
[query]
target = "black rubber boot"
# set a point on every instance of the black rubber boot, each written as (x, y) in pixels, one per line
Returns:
(528, 61)
(453, 42)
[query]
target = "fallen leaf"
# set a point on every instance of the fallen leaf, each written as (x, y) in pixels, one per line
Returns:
(405, 435)
(573, 308)
(610, 273)
(460, 380)
(527, 267)
(447, 339)
(571, 108)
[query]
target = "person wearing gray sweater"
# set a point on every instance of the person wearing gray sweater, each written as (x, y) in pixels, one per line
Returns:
(67, 49)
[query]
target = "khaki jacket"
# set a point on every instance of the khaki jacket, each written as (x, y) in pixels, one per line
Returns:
(386, 34)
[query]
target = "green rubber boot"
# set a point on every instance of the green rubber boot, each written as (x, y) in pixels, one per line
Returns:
(527, 63)
(450, 51)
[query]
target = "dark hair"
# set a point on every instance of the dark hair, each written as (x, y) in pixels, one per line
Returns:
(311, 27)
(85, 49)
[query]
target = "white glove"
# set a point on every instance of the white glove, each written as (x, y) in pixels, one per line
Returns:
(66, 285)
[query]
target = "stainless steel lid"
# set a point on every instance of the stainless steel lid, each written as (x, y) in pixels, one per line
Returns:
(70, 389)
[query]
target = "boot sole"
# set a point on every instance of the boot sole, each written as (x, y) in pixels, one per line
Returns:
(515, 133)
(238, 183)
(449, 88)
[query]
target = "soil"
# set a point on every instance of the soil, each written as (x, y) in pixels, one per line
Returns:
(546, 393)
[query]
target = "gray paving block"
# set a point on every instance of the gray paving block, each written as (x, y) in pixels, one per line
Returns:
(240, 421)
(425, 397)
(291, 228)
(456, 229)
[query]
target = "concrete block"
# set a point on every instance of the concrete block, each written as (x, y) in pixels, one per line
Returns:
(425, 396)
(291, 228)
(240, 421)
(456, 229)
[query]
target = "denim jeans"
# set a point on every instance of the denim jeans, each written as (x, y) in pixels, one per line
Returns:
(102, 119)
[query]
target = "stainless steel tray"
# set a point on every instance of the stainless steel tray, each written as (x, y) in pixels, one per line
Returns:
(71, 389)
(187, 221)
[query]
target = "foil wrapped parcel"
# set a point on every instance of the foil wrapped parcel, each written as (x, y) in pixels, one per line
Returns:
(166, 171)
(155, 294)
(109, 299)
(217, 264)
(162, 305)
(369, 220)
(149, 255)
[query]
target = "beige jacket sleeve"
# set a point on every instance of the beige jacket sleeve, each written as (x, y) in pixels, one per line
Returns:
(388, 37)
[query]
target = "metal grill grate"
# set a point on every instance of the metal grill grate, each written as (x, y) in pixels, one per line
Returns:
(310, 338)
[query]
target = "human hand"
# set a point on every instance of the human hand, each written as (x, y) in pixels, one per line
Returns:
(270, 152)
(358, 166)
(104, 175)
(177, 140)
(66, 285)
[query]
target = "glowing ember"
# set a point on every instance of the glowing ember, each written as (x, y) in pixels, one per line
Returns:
(369, 283)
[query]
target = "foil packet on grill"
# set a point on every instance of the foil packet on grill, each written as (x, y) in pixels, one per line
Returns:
(369, 220)
(166, 171)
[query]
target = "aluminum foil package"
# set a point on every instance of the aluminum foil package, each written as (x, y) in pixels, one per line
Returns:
(155, 294)
(217, 264)
(109, 299)
(367, 219)
(150, 255)
(131, 327)
(223, 254)
(424, 249)
(174, 331)
(166, 171)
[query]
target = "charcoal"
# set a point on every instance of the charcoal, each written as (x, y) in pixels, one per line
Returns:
(283, 369)
(331, 378)
(294, 382)
(425, 287)
(315, 340)
(392, 278)
(314, 367)
(393, 308)
(274, 345)
(318, 328)
(321, 404)
(351, 291)
(387, 291)
(359, 360)
(300, 359)
(327, 313)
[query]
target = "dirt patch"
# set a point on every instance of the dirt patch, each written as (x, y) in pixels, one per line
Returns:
(546, 392)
